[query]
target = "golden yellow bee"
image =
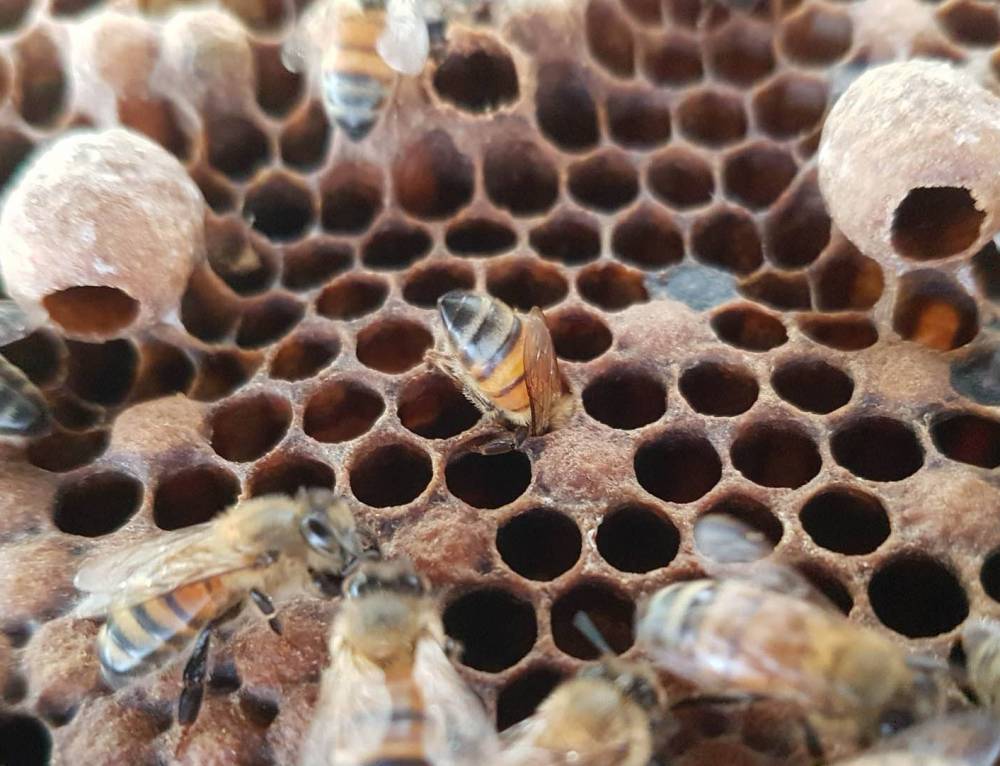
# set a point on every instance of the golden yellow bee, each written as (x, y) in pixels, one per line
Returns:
(391, 694)
(23, 411)
(981, 642)
(505, 363)
(971, 738)
(162, 595)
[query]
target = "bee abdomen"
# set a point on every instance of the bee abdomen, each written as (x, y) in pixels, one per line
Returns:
(22, 409)
(354, 101)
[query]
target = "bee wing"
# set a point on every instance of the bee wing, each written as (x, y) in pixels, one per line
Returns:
(519, 749)
(405, 43)
(14, 323)
(971, 738)
(541, 373)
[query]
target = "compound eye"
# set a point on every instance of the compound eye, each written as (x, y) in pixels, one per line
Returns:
(412, 583)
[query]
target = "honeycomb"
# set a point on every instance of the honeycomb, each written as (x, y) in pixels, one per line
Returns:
(645, 172)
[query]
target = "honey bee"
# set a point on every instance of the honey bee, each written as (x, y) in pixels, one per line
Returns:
(505, 363)
(970, 738)
(391, 694)
(981, 642)
(23, 411)
(162, 595)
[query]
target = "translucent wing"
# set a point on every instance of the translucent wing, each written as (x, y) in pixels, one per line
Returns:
(541, 372)
(971, 738)
(405, 43)
(520, 749)
(14, 323)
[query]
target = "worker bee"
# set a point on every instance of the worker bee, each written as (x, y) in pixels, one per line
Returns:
(981, 642)
(970, 738)
(162, 595)
(505, 363)
(23, 411)
(391, 694)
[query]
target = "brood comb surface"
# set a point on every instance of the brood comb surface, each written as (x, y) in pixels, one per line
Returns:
(645, 174)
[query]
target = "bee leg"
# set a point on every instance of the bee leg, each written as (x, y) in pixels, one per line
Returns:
(194, 680)
(814, 745)
(263, 602)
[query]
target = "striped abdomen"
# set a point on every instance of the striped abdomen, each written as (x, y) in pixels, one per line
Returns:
(403, 744)
(22, 409)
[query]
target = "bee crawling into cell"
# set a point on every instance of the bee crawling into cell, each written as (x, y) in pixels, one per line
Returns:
(23, 411)
(166, 594)
(505, 363)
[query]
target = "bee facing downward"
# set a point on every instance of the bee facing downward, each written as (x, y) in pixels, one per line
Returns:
(22, 409)
(169, 592)
(505, 363)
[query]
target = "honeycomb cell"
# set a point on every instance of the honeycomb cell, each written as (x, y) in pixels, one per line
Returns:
(303, 355)
(193, 495)
(648, 238)
(845, 280)
(778, 290)
(611, 287)
(790, 105)
(279, 207)
(798, 228)
(160, 120)
(525, 282)
(611, 611)
(756, 174)
(578, 335)
(477, 76)
(488, 481)
(712, 117)
(423, 286)
(726, 237)
(609, 38)
(606, 181)
(877, 448)
(637, 538)
(776, 454)
(479, 236)
(13, 13)
(432, 178)
(969, 22)
(936, 222)
(393, 345)
(967, 438)
(495, 628)
(341, 410)
(222, 372)
(638, 118)
(259, 15)
(917, 596)
(741, 51)
(568, 236)
(395, 245)
(217, 191)
(96, 504)
(681, 178)
(842, 333)
(278, 89)
(267, 319)
(746, 510)
(287, 473)
(985, 270)
(236, 146)
(432, 407)
(520, 177)
(14, 149)
(522, 696)
(989, 575)
(625, 398)
(350, 197)
(40, 83)
(248, 427)
(391, 474)
(163, 370)
(644, 11)
(246, 266)
(60, 451)
(39, 356)
(722, 389)
(672, 60)
(73, 414)
(24, 740)
(816, 35)
(845, 520)
(540, 544)
(812, 384)
(102, 373)
(352, 296)
(677, 466)
(305, 138)
(749, 328)
(932, 309)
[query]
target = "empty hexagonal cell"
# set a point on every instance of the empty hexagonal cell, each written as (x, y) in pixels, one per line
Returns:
(163, 370)
(917, 596)
(246, 266)
(540, 544)
(578, 335)
(217, 191)
(776, 454)
(520, 177)
(989, 575)
(933, 309)
(158, 119)
(267, 319)
(845, 520)
(967, 438)
(522, 696)
(304, 355)
(305, 138)
(477, 75)
(638, 118)
(566, 112)
(526, 282)
(248, 427)
(741, 51)
(986, 271)
(569, 236)
(287, 473)
(673, 59)
(96, 504)
(712, 117)
(877, 448)
(12, 13)
(479, 236)
(970, 22)
(280, 207)
(395, 245)
(606, 181)
(848, 333)
(935, 222)
(845, 279)
(611, 287)
(431, 177)
(677, 466)
(352, 296)
(609, 37)
(778, 290)
(222, 372)
(102, 373)
(433, 407)
(278, 89)
(393, 345)
(648, 238)
(816, 35)
(756, 174)
(637, 538)
(715, 387)
(625, 398)
(32, 738)
(610, 609)
(488, 481)
(62, 451)
(798, 227)
(193, 495)
(38, 355)
(391, 474)
(681, 178)
(14, 148)
(790, 105)
(749, 328)
(715, 524)
(812, 385)
(423, 286)
(350, 197)
(341, 410)
(235, 146)
(726, 237)
(495, 628)
(40, 85)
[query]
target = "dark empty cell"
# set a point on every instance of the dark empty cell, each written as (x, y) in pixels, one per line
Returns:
(609, 38)
(96, 504)
(259, 711)
(235, 146)
(304, 140)
(222, 372)
(524, 282)
(681, 178)
(936, 222)
(266, 320)
(568, 236)
(40, 85)
(776, 454)
(611, 611)
(917, 596)
(287, 474)
(395, 245)
(479, 236)
(477, 75)
(313, 262)
(39, 356)
(637, 539)
(217, 192)
(798, 228)
(812, 385)
(522, 696)
(789, 105)
(159, 120)
(985, 269)
(989, 575)
(163, 370)
(14, 149)
(393, 474)
(749, 328)
(638, 119)
(677, 466)
(624, 398)
(845, 520)
(193, 495)
(350, 197)
(674, 59)
(578, 335)
(877, 448)
(246, 266)
(488, 481)
(977, 376)
(741, 51)
(932, 309)
(644, 11)
(352, 296)
(246, 428)
(278, 89)
(611, 287)
(302, 356)
(424, 286)
(606, 181)
(755, 175)
(6, 76)
(520, 177)
(340, 411)
(816, 35)
(494, 628)
(61, 451)
(712, 117)
(433, 407)
(749, 513)
(968, 438)
(842, 333)
(431, 177)
(970, 22)
(540, 544)
(845, 279)
(393, 345)
(24, 741)
(12, 13)
(102, 373)
(648, 238)
(279, 207)
(75, 415)
(565, 109)
(727, 238)
(782, 291)
(719, 388)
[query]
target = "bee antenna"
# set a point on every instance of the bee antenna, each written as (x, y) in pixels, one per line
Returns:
(583, 623)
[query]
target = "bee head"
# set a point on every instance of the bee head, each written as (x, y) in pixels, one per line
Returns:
(630, 679)
(328, 526)
(395, 577)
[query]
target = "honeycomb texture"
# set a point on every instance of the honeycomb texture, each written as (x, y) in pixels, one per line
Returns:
(645, 173)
